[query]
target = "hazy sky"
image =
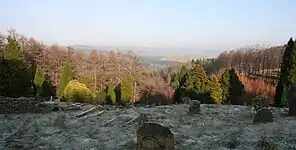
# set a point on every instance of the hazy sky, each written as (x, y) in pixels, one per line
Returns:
(203, 24)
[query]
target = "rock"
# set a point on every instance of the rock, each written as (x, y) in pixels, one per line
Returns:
(143, 118)
(291, 98)
(153, 136)
(263, 115)
(186, 100)
(259, 102)
(194, 106)
(60, 121)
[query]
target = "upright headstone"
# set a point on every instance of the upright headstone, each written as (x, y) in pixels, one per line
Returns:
(153, 136)
(291, 98)
(186, 100)
(263, 115)
(194, 107)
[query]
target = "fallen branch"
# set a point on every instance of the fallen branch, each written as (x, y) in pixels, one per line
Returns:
(89, 111)
(93, 115)
(108, 122)
(132, 120)
(72, 108)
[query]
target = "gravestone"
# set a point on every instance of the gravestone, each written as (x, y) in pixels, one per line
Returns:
(291, 98)
(186, 100)
(153, 136)
(263, 115)
(194, 107)
(143, 118)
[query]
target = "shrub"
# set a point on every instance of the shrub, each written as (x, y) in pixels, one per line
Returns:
(78, 92)
(100, 97)
(111, 95)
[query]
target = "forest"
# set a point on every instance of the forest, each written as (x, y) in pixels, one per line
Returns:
(30, 68)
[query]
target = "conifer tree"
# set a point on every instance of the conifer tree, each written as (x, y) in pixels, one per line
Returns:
(66, 76)
(197, 80)
(12, 49)
(236, 88)
(215, 90)
(38, 81)
(111, 94)
(127, 90)
(225, 85)
(15, 79)
(232, 87)
(287, 74)
(183, 71)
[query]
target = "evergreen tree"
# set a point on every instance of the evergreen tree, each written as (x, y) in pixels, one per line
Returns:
(38, 81)
(196, 84)
(183, 71)
(232, 87)
(66, 76)
(197, 80)
(15, 78)
(127, 90)
(236, 88)
(287, 74)
(215, 90)
(111, 94)
(12, 49)
(225, 85)
(47, 87)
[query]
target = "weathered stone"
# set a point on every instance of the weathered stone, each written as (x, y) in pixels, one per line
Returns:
(194, 106)
(60, 121)
(153, 136)
(143, 118)
(263, 115)
(291, 98)
(186, 100)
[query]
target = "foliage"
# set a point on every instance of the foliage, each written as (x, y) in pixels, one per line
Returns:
(78, 92)
(100, 97)
(66, 76)
(12, 49)
(197, 80)
(225, 86)
(232, 87)
(237, 89)
(127, 92)
(38, 81)
(215, 90)
(254, 87)
(287, 74)
(111, 94)
(183, 71)
(15, 77)
(47, 87)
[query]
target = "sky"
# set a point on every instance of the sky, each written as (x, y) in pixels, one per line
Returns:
(199, 24)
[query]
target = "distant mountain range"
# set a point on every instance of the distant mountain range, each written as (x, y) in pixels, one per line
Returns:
(153, 56)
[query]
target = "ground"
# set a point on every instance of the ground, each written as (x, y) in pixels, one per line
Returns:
(216, 127)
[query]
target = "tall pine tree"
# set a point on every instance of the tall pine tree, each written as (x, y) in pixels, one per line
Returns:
(287, 74)
(127, 90)
(225, 85)
(66, 76)
(215, 90)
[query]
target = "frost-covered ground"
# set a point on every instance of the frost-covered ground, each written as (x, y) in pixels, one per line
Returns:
(216, 127)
